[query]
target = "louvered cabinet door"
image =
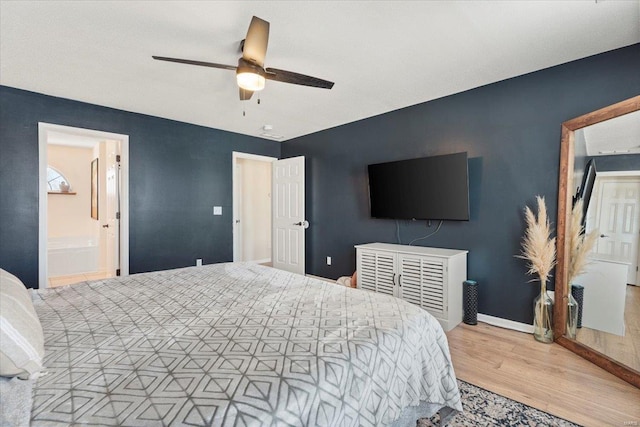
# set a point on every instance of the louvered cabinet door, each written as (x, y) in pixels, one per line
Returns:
(376, 271)
(423, 282)
(430, 278)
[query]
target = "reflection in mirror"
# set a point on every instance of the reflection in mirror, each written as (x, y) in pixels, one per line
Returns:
(607, 166)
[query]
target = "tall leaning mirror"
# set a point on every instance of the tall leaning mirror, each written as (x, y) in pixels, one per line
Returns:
(600, 164)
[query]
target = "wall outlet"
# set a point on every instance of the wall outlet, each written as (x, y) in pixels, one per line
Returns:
(328, 260)
(217, 210)
(199, 262)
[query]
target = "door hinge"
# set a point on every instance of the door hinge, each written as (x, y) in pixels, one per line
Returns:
(118, 272)
(118, 158)
(117, 215)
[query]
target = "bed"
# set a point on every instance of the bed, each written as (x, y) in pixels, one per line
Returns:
(237, 344)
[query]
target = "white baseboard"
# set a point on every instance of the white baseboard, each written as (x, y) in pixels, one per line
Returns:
(505, 323)
(261, 261)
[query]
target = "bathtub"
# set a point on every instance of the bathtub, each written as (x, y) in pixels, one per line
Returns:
(72, 255)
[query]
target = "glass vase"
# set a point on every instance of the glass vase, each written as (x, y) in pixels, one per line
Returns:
(543, 318)
(572, 317)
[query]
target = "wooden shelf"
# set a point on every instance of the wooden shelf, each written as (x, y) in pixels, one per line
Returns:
(66, 193)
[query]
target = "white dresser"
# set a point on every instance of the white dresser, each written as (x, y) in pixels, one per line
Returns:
(428, 277)
(605, 292)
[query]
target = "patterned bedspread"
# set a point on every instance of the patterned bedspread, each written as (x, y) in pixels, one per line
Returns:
(236, 344)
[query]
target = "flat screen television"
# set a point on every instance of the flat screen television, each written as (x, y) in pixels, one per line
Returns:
(426, 188)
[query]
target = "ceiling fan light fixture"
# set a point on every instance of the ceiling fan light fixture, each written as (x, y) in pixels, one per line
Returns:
(250, 76)
(250, 81)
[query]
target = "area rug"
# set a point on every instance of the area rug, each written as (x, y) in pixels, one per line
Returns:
(484, 408)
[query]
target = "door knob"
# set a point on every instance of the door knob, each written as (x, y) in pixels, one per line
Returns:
(304, 224)
(105, 226)
(603, 235)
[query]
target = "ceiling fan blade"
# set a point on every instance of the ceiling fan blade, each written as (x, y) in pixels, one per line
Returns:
(192, 62)
(245, 95)
(255, 44)
(296, 78)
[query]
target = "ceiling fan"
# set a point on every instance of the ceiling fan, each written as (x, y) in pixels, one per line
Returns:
(250, 72)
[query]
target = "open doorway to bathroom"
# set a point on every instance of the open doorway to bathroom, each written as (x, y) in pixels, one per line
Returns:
(83, 205)
(252, 207)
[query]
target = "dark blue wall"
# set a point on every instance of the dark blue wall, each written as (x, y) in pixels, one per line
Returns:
(178, 172)
(622, 162)
(619, 162)
(511, 130)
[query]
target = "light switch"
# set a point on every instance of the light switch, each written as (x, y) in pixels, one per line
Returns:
(217, 210)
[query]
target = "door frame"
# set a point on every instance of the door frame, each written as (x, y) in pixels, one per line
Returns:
(43, 130)
(235, 155)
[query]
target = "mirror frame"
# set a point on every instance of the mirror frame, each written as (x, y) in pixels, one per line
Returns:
(564, 210)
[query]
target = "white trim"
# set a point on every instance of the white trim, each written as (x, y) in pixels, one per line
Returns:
(235, 155)
(43, 129)
(124, 205)
(42, 206)
(258, 157)
(617, 173)
(505, 323)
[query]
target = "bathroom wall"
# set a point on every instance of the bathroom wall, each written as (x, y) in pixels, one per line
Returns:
(70, 215)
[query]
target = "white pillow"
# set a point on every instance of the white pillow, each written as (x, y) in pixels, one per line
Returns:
(21, 337)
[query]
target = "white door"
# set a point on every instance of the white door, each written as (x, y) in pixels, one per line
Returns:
(288, 215)
(113, 207)
(618, 221)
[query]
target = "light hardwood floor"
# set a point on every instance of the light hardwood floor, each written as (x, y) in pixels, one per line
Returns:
(625, 349)
(544, 376)
(76, 278)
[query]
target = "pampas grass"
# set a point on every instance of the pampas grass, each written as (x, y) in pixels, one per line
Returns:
(580, 244)
(538, 247)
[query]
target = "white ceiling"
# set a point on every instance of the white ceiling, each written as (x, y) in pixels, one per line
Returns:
(66, 138)
(381, 55)
(620, 135)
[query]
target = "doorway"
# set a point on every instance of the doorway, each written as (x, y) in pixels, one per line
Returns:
(252, 207)
(83, 206)
(616, 216)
